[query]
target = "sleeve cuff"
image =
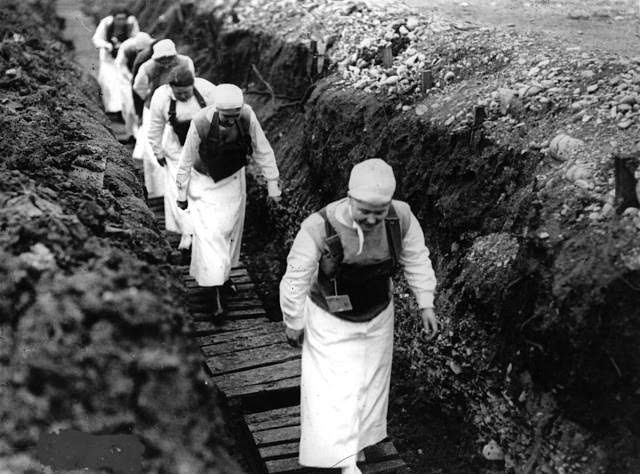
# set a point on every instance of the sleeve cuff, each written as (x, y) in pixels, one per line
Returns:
(425, 300)
(273, 189)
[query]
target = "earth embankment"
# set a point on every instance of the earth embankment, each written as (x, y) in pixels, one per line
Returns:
(91, 315)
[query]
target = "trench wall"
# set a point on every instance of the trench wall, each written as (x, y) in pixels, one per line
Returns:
(539, 348)
(91, 315)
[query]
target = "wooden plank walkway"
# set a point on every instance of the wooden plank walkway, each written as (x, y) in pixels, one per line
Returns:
(250, 361)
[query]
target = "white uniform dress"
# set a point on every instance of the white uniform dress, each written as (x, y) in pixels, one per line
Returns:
(154, 174)
(176, 219)
(217, 208)
(126, 94)
(110, 79)
(346, 366)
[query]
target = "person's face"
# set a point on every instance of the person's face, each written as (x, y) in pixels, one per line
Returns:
(227, 116)
(120, 20)
(368, 216)
(164, 60)
(182, 93)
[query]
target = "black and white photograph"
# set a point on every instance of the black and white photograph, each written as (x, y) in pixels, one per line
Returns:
(319, 236)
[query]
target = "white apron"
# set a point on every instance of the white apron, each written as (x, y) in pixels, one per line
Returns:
(176, 219)
(128, 109)
(154, 174)
(217, 216)
(110, 80)
(346, 371)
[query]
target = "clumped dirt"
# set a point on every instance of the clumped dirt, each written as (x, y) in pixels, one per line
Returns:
(91, 316)
(538, 273)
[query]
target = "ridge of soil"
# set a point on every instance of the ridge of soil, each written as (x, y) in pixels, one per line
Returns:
(91, 325)
(537, 261)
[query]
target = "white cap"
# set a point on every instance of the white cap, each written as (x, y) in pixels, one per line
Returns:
(228, 96)
(372, 181)
(164, 48)
(142, 40)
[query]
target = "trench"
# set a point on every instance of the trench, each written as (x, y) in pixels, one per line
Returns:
(493, 312)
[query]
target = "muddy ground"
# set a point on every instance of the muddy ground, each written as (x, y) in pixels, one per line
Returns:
(91, 315)
(538, 275)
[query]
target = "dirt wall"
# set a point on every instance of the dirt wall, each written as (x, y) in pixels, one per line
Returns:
(91, 315)
(538, 351)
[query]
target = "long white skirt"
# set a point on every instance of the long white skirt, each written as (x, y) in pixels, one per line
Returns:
(346, 371)
(176, 219)
(217, 216)
(110, 80)
(128, 110)
(154, 174)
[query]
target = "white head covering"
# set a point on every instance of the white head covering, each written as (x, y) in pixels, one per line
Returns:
(372, 181)
(228, 96)
(164, 48)
(142, 40)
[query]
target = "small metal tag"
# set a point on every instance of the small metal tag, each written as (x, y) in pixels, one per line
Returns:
(339, 303)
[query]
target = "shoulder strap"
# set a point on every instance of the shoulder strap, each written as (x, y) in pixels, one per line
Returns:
(214, 131)
(394, 234)
(172, 111)
(334, 252)
(329, 229)
(199, 98)
(244, 125)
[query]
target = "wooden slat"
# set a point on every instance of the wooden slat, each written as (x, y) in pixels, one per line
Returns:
(242, 345)
(273, 418)
(291, 465)
(381, 451)
(287, 434)
(252, 358)
(395, 466)
(279, 451)
(231, 326)
(248, 330)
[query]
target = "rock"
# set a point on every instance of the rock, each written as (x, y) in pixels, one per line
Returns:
(492, 451)
(412, 23)
(389, 81)
(421, 109)
(579, 105)
(577, 172)
(625, 124)
(583, 184)
(563, 147)
(624, 108)
(403, 30)
(592, 88)
(587, 74)
(507, 98)
(449, 76)
(534, 71)
(450, 120)
(628, 99)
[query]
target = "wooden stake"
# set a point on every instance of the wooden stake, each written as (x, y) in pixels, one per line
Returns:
(479, 114)
(387, 57)
(625, 166)
(427, 80)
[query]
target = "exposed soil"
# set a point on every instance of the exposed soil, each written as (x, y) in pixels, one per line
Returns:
(91, 320)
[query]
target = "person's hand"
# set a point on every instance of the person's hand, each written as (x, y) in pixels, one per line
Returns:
(430, 322)
(183, 204)
(294, 336)
(162, 161)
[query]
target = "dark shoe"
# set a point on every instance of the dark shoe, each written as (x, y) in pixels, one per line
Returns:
(229, 288)
(219, 312)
